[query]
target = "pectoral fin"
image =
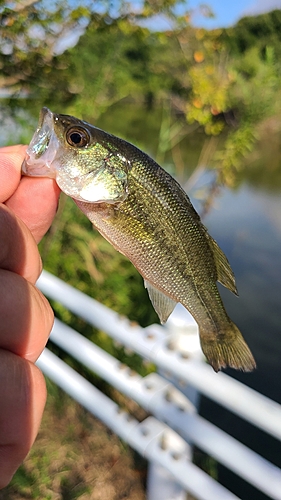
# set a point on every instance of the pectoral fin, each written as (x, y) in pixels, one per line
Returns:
(162, 304)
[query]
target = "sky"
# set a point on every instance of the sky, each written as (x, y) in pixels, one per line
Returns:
(228, 12)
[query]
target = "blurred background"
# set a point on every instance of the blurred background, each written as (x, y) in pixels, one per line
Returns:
(199, 89)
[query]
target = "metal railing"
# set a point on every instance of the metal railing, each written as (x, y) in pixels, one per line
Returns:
(166, 437)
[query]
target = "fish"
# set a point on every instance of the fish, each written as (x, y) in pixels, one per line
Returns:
(147, 216)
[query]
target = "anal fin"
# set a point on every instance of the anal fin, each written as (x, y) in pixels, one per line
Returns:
(162, 304)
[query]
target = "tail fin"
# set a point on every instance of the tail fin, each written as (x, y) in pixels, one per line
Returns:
(228, 349)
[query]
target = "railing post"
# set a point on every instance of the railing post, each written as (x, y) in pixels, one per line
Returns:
(185, 342)
(160, 484)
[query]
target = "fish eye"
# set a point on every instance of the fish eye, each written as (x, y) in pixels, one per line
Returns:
(77, 137)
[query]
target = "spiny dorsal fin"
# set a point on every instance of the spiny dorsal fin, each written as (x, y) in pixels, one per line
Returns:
(225, 273)
(162, 304)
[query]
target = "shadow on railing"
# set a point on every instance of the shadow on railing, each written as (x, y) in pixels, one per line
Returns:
(166, 438)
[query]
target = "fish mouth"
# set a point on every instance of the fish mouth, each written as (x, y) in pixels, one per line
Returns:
(42, 149)
(46, 156)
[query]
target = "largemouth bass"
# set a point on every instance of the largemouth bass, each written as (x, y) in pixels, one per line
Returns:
(145, 214)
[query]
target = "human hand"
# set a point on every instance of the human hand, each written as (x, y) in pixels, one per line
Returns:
(27, 208)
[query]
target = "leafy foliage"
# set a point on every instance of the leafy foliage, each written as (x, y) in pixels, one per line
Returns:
(210, 82)
(260, 32)
(29, 33)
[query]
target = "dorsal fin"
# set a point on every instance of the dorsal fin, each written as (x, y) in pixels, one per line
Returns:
(162, 304)
(225, 274)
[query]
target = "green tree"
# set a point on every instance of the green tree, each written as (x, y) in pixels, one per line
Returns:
(119, 57)
(255, 31)
(29, 35)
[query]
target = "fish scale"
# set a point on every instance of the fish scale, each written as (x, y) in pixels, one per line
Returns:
(145, 214)
(132, 234)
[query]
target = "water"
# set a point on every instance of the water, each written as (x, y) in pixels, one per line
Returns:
(247, 225)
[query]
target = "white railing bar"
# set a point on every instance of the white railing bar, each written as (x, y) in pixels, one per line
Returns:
(159, 397)
(151, 438)
(152, 343)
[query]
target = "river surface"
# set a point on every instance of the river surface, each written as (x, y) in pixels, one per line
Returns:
(246, 223)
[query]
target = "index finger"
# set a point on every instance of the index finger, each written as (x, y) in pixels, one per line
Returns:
(34, 201)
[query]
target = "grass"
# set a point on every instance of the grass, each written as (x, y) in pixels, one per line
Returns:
(76, 457)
